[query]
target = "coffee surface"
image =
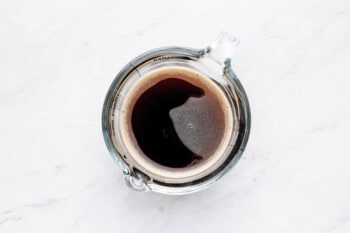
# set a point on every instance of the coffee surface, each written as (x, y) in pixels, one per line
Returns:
(177, 123)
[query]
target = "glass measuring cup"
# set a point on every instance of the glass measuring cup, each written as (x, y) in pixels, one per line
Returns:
(211, 64)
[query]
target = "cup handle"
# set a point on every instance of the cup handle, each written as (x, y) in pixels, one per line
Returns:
(222, 49)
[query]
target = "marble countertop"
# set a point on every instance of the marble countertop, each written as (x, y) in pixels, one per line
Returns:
(57, 60)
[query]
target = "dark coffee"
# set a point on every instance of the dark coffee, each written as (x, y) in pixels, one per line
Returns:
(177, 123)
(154, 127)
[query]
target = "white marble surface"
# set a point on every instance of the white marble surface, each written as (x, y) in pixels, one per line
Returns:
(58, 58)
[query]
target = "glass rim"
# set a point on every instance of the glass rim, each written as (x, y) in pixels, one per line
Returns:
(174, 188)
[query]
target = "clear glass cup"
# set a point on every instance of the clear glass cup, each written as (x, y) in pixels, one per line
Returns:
(214, 63)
